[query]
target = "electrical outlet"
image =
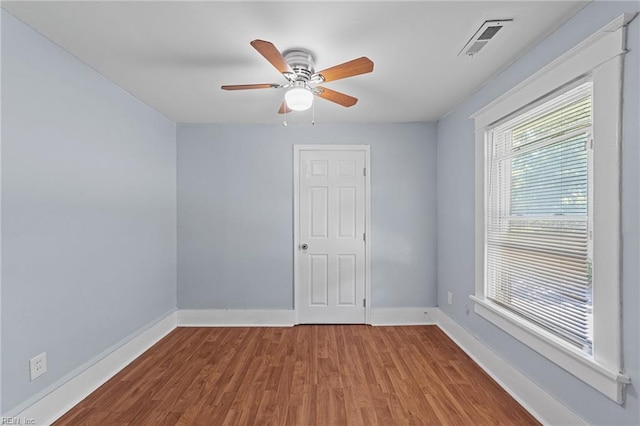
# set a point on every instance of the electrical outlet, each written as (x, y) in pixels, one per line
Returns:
(38, 365)
(450, 298)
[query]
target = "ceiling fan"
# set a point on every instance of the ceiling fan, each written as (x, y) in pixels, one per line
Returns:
(297, 66)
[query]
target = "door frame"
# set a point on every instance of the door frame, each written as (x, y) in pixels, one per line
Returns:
(297, 149)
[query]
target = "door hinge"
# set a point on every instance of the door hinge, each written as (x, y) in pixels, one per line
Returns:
(364, 171)
(364, 303)
(364, 236)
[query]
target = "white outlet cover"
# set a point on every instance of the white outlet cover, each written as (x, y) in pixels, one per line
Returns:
(38, 365)
(450, 298)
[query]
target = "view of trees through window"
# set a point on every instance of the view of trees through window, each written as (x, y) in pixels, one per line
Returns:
(538, 246)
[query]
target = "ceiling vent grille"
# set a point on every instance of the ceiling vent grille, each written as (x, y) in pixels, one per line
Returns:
(486, 32)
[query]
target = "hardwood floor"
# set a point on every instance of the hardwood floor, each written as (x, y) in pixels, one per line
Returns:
(304, 375)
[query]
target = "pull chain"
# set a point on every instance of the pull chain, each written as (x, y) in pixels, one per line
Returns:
(313, 113)
(284, 121)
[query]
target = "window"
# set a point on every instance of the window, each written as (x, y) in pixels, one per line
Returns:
(538, 216)
(548, 211)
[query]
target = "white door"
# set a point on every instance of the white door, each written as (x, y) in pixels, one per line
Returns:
(330, 237)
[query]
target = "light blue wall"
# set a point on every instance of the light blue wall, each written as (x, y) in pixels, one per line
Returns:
(235, 212)
(89, 223)
(88, 212)
(456, 219)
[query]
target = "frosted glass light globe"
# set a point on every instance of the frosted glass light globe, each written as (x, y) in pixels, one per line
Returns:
(299, 99)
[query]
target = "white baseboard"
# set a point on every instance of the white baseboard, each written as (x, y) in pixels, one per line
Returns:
(404, 316)
(69, 391)
(287, 317)
(67, 394)
(236, 318)
(532, 397)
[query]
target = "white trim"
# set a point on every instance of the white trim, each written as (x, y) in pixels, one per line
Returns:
(236, 318)
(480, 210)
(367, 244)
(605, 44)
(367, 219)
(287, 317)
(600, 58)
(404, 316)
(607, 134)
(64, 394)
(610, 382)
(296, 227)
(543, 406)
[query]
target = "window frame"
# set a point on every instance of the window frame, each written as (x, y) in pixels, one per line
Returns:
(506, 196)
(600, 59)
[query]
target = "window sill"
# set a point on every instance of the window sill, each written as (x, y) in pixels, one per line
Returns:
(610, 383)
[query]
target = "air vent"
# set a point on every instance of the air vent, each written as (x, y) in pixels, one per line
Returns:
(486, 32)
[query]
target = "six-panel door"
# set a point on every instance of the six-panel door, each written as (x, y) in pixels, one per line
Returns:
(331, 250)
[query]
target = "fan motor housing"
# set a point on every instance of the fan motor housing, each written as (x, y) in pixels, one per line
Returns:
(301, 61)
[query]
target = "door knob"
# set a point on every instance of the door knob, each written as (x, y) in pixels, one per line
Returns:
(304, 246)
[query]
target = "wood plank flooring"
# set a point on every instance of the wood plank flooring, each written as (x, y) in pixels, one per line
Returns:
(303, 375)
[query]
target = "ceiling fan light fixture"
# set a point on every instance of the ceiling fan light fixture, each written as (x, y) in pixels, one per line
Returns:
(299, 98)
(298, 67)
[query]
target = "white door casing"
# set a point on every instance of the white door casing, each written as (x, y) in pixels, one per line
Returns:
(331, 211)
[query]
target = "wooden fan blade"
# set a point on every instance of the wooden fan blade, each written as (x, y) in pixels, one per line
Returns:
(284, 108)
(348, 69)
(337, 97)
(250, 86)
(273, 55)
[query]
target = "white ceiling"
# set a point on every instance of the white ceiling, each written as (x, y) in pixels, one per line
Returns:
(174, 56)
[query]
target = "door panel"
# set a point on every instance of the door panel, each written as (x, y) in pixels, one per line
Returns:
(347, 213)
(318, 279)
(331, 219)
(319, 212)
(346, 280)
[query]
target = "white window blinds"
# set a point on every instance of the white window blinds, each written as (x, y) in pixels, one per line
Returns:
(538, 250)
